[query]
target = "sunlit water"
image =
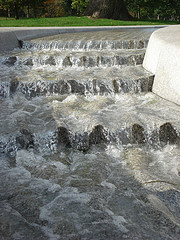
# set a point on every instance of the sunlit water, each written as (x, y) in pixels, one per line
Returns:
(117, 189)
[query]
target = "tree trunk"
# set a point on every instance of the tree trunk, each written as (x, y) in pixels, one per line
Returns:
(139, 13)
(9, 13)
(28, 11)
(16, 11)
(113, 9)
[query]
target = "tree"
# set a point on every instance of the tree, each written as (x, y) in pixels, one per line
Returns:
(19, 7)
(168, 9)
(113, 9)
(12, 4)
(153, 9)
(135, 7)
(79, 5)
(5, 6)
(54, 8)
(36, 6)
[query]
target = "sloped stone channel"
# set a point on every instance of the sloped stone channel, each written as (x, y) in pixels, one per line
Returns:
(87, 151)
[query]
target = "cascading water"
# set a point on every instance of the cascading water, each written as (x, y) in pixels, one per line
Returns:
(87, 151)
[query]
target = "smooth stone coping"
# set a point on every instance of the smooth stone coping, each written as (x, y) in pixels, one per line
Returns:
(10, 37)
(162, 58)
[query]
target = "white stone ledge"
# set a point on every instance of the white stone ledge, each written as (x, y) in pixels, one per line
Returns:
(163, 59)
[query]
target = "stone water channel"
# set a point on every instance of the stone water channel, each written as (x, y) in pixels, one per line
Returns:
(87, 151)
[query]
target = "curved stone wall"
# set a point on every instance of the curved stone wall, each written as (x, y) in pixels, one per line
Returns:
(163, 59)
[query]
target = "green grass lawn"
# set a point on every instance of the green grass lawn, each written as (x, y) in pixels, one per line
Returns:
(74, 21)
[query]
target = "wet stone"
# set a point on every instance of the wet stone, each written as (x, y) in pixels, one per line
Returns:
(55, 87)
(88, 87)
(76, 87)
(82, 62)
(4, 89)
(150, 83)
(67, 62)
(20, 42)
(25, 139)
(50, 61)
(106, 61)
(145, 85)
(118, 45)
(98, 59)
(97, 135)
(11, 61)
(138, 134)
(104, 89)
(121, 60)
(168, 134)
(50, 88)
(124, 86)
(94, 83)
(130, 44)
(65, 88)
(131, 60)
(41, 88)
(60, 87)
(10, 147)
(2, 147)
(34, 89)
(125, 44)
(29, 90)
(92, 62)
(139, 59)
(63, 136)
(116, 86)
(13, 86)
(141, 44)
(29, 62)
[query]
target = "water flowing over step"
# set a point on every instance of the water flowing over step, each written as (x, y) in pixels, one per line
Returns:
(88, 45)
(89, 41)
(101, 63)
(81, 71)
(81, 50)
(80, 121)
(66, 58)
(80, 81)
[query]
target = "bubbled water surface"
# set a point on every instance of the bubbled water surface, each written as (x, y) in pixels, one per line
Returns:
(87, 151)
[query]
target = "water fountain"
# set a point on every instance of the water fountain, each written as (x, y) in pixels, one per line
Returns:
(87, 151)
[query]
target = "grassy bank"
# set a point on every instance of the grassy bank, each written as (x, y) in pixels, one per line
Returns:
(74, 21)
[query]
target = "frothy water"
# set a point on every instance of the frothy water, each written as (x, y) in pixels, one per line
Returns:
(87, 151)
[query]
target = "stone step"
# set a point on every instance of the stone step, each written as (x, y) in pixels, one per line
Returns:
(79, 121)
(68, 59)
(87, 41)
(93, 81)
(88, 45)
(62, 137)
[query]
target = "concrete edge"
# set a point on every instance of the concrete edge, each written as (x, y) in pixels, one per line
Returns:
(162, 58)
(10, 37)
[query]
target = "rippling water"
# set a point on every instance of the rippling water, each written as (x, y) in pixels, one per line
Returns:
(120, 188)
